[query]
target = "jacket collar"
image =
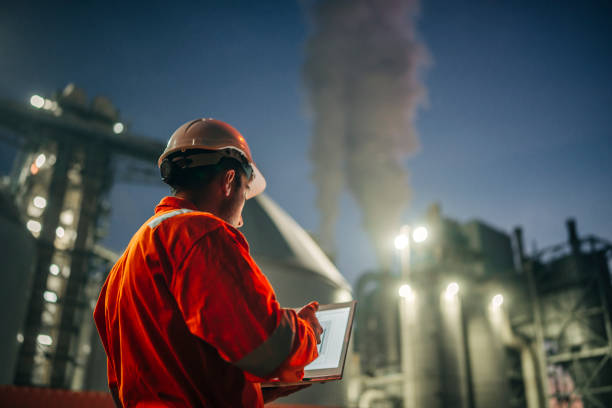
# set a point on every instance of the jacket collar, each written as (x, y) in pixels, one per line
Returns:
(173, 203)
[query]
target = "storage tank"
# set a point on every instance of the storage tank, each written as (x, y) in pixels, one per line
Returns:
(298, 270)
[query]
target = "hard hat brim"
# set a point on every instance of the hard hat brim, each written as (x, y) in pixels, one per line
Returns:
(257, 185)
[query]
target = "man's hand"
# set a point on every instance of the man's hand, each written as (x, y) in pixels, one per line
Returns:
(272, 393)
(308, 313)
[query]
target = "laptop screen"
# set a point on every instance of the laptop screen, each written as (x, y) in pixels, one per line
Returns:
(334, 323)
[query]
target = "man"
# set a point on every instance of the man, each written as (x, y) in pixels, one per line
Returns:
(186, 317)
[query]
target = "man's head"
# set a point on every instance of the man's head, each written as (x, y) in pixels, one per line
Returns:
(210, 163)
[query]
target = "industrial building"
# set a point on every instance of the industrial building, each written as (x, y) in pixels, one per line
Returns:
(480, 323)
(468, 319)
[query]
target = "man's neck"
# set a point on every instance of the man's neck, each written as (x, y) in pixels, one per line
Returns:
(201, 203)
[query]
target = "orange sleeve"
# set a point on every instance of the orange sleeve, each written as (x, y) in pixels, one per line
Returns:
(304, 351)
(227, 302)
(100, 321)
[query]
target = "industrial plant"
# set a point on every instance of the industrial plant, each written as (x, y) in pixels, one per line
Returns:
(464, 317)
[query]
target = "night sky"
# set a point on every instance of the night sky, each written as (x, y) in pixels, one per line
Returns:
(516, 129)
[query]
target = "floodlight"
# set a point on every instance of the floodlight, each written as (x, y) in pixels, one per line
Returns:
(406, 292)
(44, 339)
(67, 217)
(497, 301)
(37, 101)
(49, 296)
(34, 226)
(39, 202)
(401, 241)
(451, 291)
(54, 269)
(118, 127)
(40, 160)
(420, 234)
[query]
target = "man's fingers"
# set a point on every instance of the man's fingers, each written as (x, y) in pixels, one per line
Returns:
(308, 313)
(318, 330)
(313, 306)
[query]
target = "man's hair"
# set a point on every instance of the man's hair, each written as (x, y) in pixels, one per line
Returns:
(196, 178)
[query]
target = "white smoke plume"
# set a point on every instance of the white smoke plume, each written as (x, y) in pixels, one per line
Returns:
(361, 74)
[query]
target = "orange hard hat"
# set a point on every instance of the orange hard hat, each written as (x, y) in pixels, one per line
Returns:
(214, 135)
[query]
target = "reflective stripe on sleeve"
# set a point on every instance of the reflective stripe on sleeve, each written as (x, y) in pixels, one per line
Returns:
(271, 353)
(158, 220)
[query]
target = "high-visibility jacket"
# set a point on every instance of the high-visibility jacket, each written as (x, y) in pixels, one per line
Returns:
(187, 319)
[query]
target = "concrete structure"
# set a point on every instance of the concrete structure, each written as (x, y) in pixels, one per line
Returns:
(18, 254)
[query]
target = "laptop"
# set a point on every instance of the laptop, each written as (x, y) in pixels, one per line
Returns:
(337, 322)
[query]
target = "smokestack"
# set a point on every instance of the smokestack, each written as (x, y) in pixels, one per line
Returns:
(361, 74)
(572, 236)
(520, 247)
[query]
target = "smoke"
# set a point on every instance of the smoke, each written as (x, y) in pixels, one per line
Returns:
(361, 73)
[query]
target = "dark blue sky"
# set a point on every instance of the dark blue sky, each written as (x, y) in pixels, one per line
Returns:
(517, 129)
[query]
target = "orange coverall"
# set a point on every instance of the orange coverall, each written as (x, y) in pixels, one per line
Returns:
(187, 318)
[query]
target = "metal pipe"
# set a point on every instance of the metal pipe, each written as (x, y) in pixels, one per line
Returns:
(468, 385)
(539, 332)
(529, 371)
(405, 326)
(366, 399)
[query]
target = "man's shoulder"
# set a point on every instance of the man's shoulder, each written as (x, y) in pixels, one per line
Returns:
(189, 225)
(184, 218)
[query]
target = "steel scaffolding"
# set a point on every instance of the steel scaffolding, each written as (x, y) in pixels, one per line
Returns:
(69, 151)
(570, 293)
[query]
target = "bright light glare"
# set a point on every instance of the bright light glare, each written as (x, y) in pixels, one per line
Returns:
(497, 301)
(67, 217)
(40, 160)
(37, 101)
(451, 290)
(60, 232)
(401, 241)
(19, 338)
(39, 202)
(406, 291)
(34, 226)
(420, 234)
(118, 127)
(54, 269)
(44, 339)
(49, 296)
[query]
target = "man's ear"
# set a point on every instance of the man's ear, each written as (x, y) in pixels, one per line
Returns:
(228, 182)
